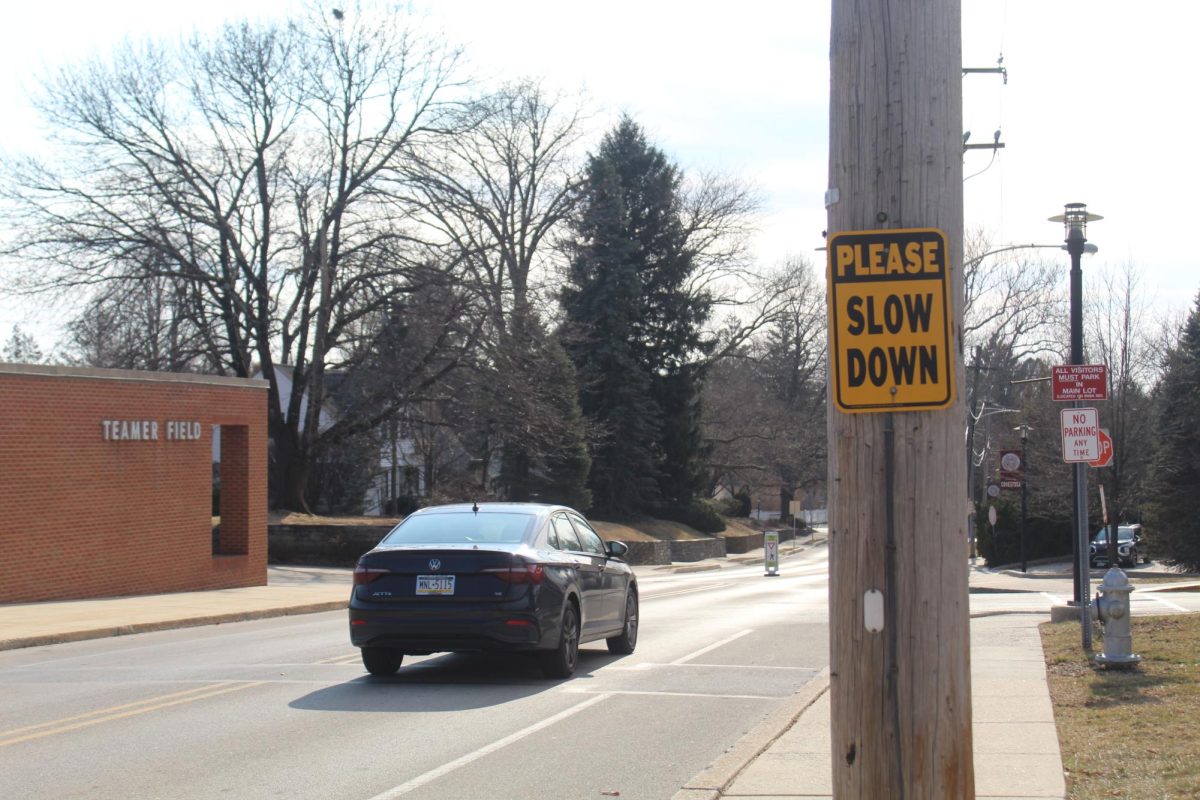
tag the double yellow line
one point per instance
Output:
(99, 716)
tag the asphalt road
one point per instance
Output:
(283, 708)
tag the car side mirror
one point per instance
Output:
(616, 549)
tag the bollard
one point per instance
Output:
(771, 553)
(1112, 607)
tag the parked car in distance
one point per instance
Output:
(510, 577)
(1131, 546)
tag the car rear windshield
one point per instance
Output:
(464, 528)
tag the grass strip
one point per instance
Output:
(1129, 733)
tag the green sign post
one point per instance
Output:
(771, 552)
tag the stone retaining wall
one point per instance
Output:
(322, 545)
(754, 541)
(341, 545)
(697, 549)
(649, 552)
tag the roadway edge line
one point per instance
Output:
(450, 766)
(714, 779)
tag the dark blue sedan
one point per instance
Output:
(497, 577)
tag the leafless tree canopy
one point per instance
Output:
(260, 172)
(764, 402)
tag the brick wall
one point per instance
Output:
(89, 510)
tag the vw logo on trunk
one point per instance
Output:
(435, 564)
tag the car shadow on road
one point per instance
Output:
(449, 682)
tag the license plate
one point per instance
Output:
(435, 584)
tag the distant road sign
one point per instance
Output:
(1080, 382)
(889, 320)
(1106, 450)
(1080, 434)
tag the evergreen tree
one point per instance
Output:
(21, 348)
(635, 328)
(1175, 473)
(540, 426)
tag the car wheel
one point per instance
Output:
(624, 644)
(381, 660)
(560, 662)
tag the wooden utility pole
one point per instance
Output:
(899, 636)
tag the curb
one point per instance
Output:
(716, 778)
(170, 624)
(681, 568)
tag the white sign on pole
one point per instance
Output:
(1080, 434)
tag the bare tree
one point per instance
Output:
(258, 171)
(499, 193)
(764, 402)
(1011, 301)
(497, 196)
(144, 323)
(1012, 307)
(1120, 335)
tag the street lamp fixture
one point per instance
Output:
(1074, 219)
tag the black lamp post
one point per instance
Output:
(1024, 429)
(1075, 218)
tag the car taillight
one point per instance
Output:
(364, 575)
(521, 572)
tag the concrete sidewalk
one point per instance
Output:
(289, 590)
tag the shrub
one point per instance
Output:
(700, 515)
(1045, 537)
(401, 506)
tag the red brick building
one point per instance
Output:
(106, 482)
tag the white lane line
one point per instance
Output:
(450, 766)
(690, 590)
(713, 696)
(712, 646)
(750, 666)
(645, 665)
(1052, 598)
(1166, 603)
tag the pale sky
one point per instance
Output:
(1096, 109)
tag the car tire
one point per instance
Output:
(560, 662)
(625, 643)
(381, 660)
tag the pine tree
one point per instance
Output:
(21, 348)
(634, 328)
(533, 411)
(1175, 474)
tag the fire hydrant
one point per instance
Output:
(1112, 606)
